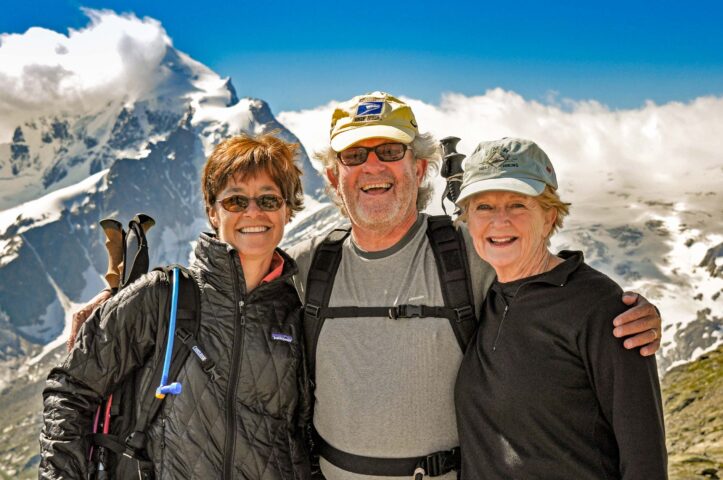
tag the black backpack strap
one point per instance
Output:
(319, 284)
(111, 442)
(188, 322)
(394, 312)
(451, 257)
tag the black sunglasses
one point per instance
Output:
(386, 152)
(267, 202)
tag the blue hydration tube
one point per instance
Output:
(175, 387)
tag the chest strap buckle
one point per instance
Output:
(405, 311)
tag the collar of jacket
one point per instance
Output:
(221, 262)
(558, 276)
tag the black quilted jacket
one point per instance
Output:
(246, 424)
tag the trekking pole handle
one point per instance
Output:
(175, 387)
(449, 145)
(144, 221)
(114, 239)
(451, 169)
(451, 159)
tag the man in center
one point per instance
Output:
(384, 383)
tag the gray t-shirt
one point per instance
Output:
(385, 387)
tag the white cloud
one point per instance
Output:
(651, 174)
(116, 57)
(665, 149)
(311, 126)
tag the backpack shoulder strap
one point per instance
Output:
(451, 257)
(319, 284)
(188, 322)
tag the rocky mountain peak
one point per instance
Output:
(711, 263)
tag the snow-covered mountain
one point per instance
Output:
(658, 231)
(48, 153)
(61, 174)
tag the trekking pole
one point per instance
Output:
(175, 387)
(96, 418)
(135, 256)
(114, 243)
(451, 170)
(102, 470)
(120, 273)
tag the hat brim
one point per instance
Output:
(346, 139)
(525, 186)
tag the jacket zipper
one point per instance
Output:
(499, 327)
(234, 373)
(504, 314)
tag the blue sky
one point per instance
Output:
(300, 55)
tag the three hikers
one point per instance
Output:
(391, 304)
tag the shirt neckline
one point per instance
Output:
(403, 242)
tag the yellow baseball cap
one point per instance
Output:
(374, 115)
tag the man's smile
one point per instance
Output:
(376, 188)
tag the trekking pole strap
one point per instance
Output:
(434, 464)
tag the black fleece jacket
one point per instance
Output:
(546, 391)
(246, 423)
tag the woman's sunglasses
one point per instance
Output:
(267, 202)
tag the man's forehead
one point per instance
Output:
(374, 141)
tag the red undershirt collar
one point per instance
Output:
(277, 266)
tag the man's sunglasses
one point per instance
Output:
(267, 202)
(386, 152)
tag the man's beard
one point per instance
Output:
(384, 213)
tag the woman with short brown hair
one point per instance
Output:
(246, 420)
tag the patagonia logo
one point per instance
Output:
(370, 108)
(282, 337)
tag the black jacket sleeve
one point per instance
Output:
(628, 391)
(117, 340)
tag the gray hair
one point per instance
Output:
(424, 146)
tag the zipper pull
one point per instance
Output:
(499, 328)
